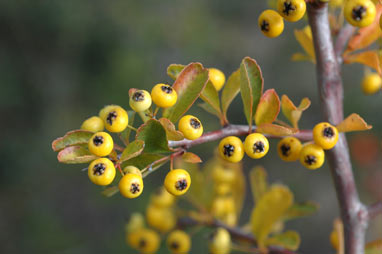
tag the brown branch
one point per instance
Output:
(353, 212)
(342, 39)
(231, 130)
(374, 210)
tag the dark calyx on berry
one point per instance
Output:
(134, 188)
(99, 169)
(285, 149)
(288, 7)
(181, 184)
(98, 140)
(328, 132)
(258, 147)
(310, 159)
(228, 150)
(174, 246)
(138, 96)
(358, 12)
(194, 123)
(166, 89)
(111, 117)
(264, 26)
(142, 243)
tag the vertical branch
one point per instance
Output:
(353, 212)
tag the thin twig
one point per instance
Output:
(342, 39)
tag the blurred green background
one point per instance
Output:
(61, 61)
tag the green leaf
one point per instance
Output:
(268, 108)
(110, 191)
(189, 85)
(273, 204)
(230, 91)
(259, 184)
(125, 135)
(72, 138)
(191, 158)
(173, 70)
(289, 240)
(300, 210)
(142, 161)
(75, 155)
(132, 150)
(207, 107)
(275, 130)
(211, 96)
(171, 132)
(251, 86)
(154, 136)
(374, 247)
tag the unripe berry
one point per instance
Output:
(140, 100)
(271, 23)
(325, 135)
(191, 127)
(179, 242)
(217, 78)
(164, 95)
(115, 118)
(101, 144)
(231, 149)
(220, 242)
(312, 156)
(256, 145)
(177, 181)
(131, 185)
(93, 124)
(371, 83)
(360, 13)
(132, 170)
(101, 171)
(289, 149)
(291, 10)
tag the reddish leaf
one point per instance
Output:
(268, 108)
(171, 132)
(353, 123)
(191, 158)
(275, 130)
(72, 138)
(75, 155)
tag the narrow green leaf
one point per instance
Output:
(173, 70)
(207, 107)
(251, 86)
(125, 135)
(110, 191)
(259, 184)
(75, 155)
(268, 108)
(289, 240)
(230, 91)
(211, 96)
(189, 85)
(72, 138)
(132, 150)
(154, 136)
(298, 210)
(171, 132)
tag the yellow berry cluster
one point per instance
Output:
(271, 23)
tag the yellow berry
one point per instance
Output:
(230, 219)
(164, 95)
(147, 241)
(371, 84)
(101, 171)
(177, 181)
(222, 188)
(291, 10)
(93, 124)
(179, 242)
(334, 240)
(136, 222)
(191, 127)
(231, 149)
(325, 135)
(220, 242)
(289, 149)
(312, 156)
(256, 145)
(101, 144)
(162, 198)
(223, 174)
(160, 218)
(140, 100)
(104, 111)
(115, 119)
(217, 78)
(360, 13)
(130, 185)
(271, 23)
(222, 205)
(132, 170)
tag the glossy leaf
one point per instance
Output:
(211, 96)
(125, 135)
(189, 85)
(230, 91)
(75, 155)
(259, 184)
(304, 38)
(374, 247)
(369, 58)
(354, 122)
(291, 112)
(154, 136)
(298, 210)
(274, 203)
(268, 108)
(171, 132)
(110, 191)
(275, 130)
(191, 158)
(132, 150)
(251, 86)
(173, 70)
(72, 138)
(289, 240)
